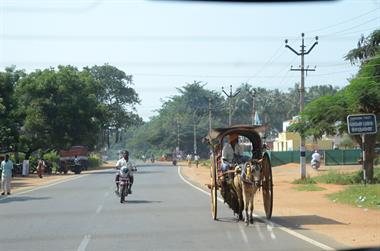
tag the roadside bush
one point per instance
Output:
(52, 159)
(94, 161)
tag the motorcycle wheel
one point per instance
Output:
(122, 194)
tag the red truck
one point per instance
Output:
(67, 157)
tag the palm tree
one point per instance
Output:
(367, 48)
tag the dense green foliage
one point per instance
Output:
(54, 109)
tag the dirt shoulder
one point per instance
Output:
(299, 210)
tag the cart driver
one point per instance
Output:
(231, 151)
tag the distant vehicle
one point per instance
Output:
(66, 158)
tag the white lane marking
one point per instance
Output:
(99, 209)
(270, 229)
(243, 234)
(84, 243)
(259, 231)
(268, 222)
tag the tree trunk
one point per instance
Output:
(27, 154)
(370, 143)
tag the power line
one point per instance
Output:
(266, 63)
(147, 38)
(352, 27)
(343, 22)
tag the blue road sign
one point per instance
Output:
(361, 124)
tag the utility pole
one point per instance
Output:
(195, 139)
(230, 96)
(253, 94)
(302, 69)
(209, 114)
(177, 135)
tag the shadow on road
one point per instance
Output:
(10, 199)
(143, 201)
(297, 222)
(228, 219)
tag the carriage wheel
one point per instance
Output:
(267, 186)
(214, 190)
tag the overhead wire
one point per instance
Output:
(345, 21)
(350, 28)
(266, 63)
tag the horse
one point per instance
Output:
(247, 183)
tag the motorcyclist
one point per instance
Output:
(125, 168)
(316, 158)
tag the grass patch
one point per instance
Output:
(340, 178)
(359, 195)
(306, 181)
(309, 188)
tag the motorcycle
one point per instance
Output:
(315, 164)
(174, 162)
(124, 184)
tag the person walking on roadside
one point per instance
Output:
(6, 175)
(188, 158)
(196, 160)
(40, 167)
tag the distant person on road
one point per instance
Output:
(188, 158)
(40, 168)
(196, 160)
(316, 156)
(76, 161)
(6, 168)
(123, 164)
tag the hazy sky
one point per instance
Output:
(166, 44)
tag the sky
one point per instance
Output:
(167, 44)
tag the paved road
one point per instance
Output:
(163, 213)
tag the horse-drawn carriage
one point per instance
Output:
(255, 164)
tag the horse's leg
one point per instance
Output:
(254, 190)
(245, 199)
(239, 191)
(251, 199)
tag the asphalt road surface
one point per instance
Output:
(163, 213)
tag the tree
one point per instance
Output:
(116, 92)
(59, 109)
(184, 111)
(9, 121)
(367, 48)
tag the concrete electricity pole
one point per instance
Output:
(253, 94)
(177, 135)
(209, 115)
(230, 96)
(302, 53)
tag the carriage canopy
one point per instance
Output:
(215, 137)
